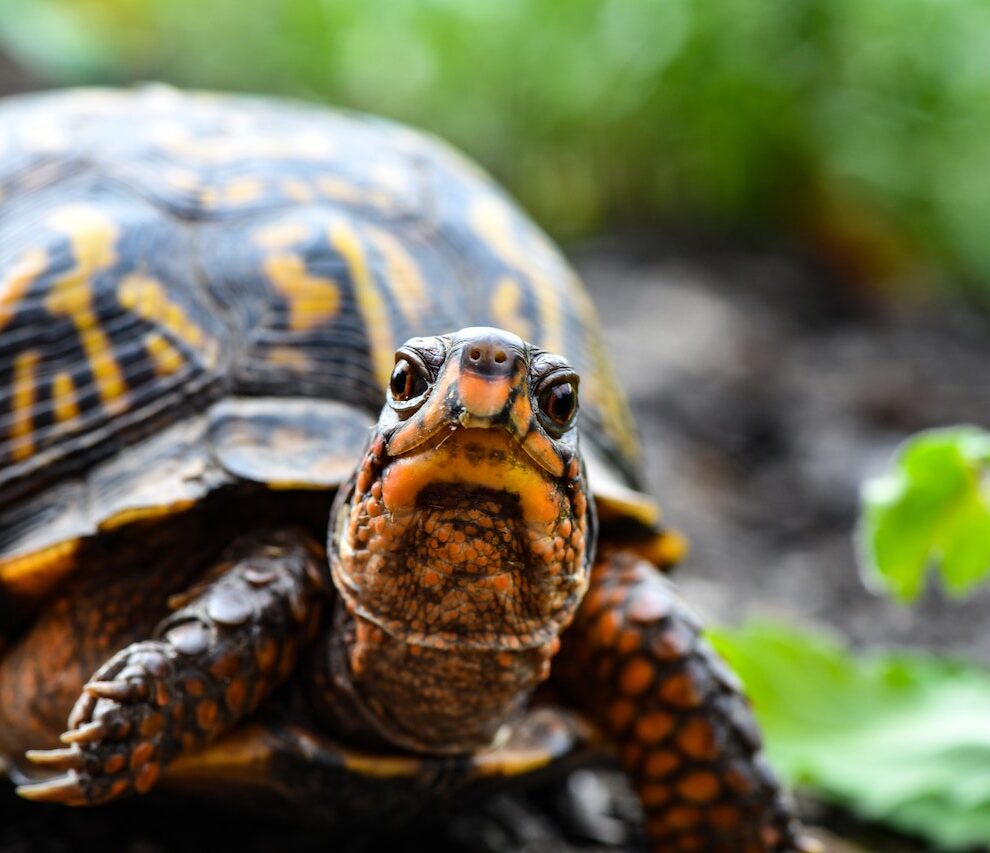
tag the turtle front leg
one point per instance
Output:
(230, 641)
(636, 661)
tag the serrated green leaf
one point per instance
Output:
(931, 511)
(899, 738)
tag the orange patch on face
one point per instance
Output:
(481, 396)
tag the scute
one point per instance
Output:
(167, 473)
(288, 444)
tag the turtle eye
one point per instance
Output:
(558, 404)
(407, 382)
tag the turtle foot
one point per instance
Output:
(227, 644)
(118, 738)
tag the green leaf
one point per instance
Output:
(899, 738)
(931, 510)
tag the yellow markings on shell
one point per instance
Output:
(92, 235)
(369, 300)
(299, 191)
(246, 750)
(313, 300)
(241, 191)
(282, 235)
(23, 399)
(506, 305)
(381, 766)
(33, 575)
(338, 189)
(671, 548)
(512, 762)
(403, 277)
(165, 357)
(64, 401)
(289, 357)
(335, 188)
(147, 297)
(18, 279)
(142, 513)
(493, 221)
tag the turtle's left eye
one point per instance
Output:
(408, 381)
(558, 404)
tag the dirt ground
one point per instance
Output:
(765, 394)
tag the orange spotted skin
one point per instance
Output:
(636, 661)
(460, 549)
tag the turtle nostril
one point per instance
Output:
(499, 356)
(475, 354)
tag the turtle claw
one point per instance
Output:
(57, 759)
(116, 739)
(86, 733)
(119, 691)
(66, 789)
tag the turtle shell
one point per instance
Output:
(202, 289)
(283, 769)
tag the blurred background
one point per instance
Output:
(782, 211)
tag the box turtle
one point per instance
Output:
(203, 304)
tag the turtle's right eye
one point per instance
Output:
(408, 381)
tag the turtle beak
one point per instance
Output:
(490, 378)
(483, 385)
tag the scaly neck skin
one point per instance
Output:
(453, 599)
(425, 699)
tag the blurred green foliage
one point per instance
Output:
(900, 738)
(931, 510)
(862, 124)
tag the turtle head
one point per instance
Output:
(467, 529)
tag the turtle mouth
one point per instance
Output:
(470, 459)
(523, 442)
